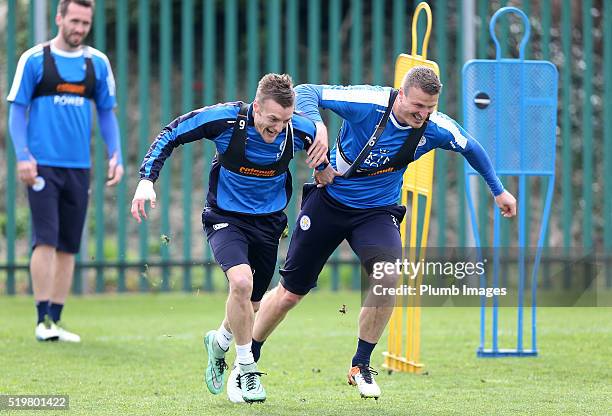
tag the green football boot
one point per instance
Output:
(215, 370)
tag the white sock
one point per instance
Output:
(244, 354)
(224, 338)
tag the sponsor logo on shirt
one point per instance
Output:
(71, 88)
(68, 100)
(257, 172)
(378, 172)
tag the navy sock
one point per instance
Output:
(42, 307)
(364, 351)
(55, 311)
(256, 349)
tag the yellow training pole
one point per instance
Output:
(418, 181)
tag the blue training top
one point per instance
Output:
(228, 190)
(59, 126)
(362, 107)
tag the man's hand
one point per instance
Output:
(28, 171)
(115, 171)
(144, 192)
(326, 176)
(506, 203)
(318, 150)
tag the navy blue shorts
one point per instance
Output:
(59, 208)
(323, 223)
(245, 239)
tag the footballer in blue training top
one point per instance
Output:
(249, 187)
(383, 131)
(55, 85)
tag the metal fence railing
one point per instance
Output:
(171, 56)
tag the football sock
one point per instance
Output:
(42, 308)
(256, 348)
(224, 338)
(364, 351)
(244, 354)
(55, 311)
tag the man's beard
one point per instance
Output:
(72, 43)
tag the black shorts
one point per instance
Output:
(59, 208)
(323, 223)
(245, 239)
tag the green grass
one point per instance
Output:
(144, 355)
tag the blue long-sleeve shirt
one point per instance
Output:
(361, 108)
(57, 129)
(228, 190)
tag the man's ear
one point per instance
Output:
(401, 93)
(255, 106)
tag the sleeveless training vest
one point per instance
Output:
(401, 159)
(52, 83)
(234, 159)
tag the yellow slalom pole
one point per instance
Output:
(418, 184)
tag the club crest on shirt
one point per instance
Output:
(377, 158)
(305, 222)
(422, 141)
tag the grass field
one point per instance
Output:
(143, 355)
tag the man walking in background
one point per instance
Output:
(50, 126)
